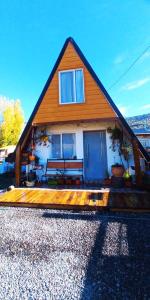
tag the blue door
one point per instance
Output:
(95, 155)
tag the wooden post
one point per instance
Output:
(18, 165)
(136, 154)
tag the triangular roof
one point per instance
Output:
(93, 74)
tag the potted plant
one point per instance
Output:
(38, 183)
(42, 138)
(69, 180)
(116, 137)
(127, 179)
(109, 130)
(31, 157)
(52, 181)
(126, 150)
(24, 158)
(117, 170)
(30, 179)
(61, 176)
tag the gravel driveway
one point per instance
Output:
(47, 254)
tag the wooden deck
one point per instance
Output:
(57, 199)
(77, 199)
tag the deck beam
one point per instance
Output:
(136, 154)
(18, 165)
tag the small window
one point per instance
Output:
(71, 86)
(63, 146)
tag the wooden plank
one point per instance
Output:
(18, 165)
(70, 199)
(91, 111)
(136, 155)
(55, 165)
(75, 107)
(100, 120)
(74, 165)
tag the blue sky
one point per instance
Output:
(111, 34)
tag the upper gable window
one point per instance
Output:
(71, 86)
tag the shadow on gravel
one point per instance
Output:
(118, 267)
(75, 215)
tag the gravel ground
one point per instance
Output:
(47, 254)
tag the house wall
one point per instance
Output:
(95, 106)
(112, 157)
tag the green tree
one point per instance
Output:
(12, 124)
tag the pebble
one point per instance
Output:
(59, 255)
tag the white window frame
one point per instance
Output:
(61, 144)
(74, 87)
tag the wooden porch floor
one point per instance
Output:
(47, 198)
(76, 199)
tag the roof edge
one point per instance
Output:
(95, 77)
(111, 102)
(29, 123)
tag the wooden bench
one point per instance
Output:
(62, 167)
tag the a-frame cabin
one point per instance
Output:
(70, 124)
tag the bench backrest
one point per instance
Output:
(69, 167)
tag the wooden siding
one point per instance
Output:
(96, 105)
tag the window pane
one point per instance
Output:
(56, 148)
(67, 94)
(79, 86)
(68, 145)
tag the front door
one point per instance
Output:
(95, 155)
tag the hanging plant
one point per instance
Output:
(126, 150)
(117, 138)
(109, 130)
(42, 138)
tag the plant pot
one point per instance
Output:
(68, 181)
(128, 183)
(29, 183)
(73, 181)
(107, 181)
(61, 181)
(31, 157)
(78, 181)
(117, 171)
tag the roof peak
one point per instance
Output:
(70, 39)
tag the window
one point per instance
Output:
(71, 86)
(63, 146)
(56, 148)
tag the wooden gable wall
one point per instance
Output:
(95, 106)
